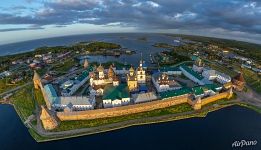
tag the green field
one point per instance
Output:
(23, 102)
(252, 79)
(65, 65)
(223, 70)
(38, 96)
(69, 125)
(5, 84)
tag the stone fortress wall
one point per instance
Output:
(130, 109)
(119, 111)
(216, 97)
(38, 85)
(138, 108)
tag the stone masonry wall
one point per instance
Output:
(119, 111)
(214, 98)
(137, 108)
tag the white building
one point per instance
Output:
(163, 82)
(144, 97)
(75, 103)
(198, 66)
(209, 74)
(115, 96)
(194, 76)
(70, 103)
(99, 77)
(171, 70)
(5, 74)
(246, 66)
(141, 73)
(215, 75)
(82, 79)
(109, 103)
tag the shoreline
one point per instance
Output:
(38, 137)
(135, 122)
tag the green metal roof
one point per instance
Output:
(83, 75)
(174, 93)
(197, 90)
(193, 57)
(185, 90)
(212, 87)
(116, 92)
(192, 72)
(165, 69)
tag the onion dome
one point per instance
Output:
(100, 68)
(111, 72)
(198, 62)
(131, 69)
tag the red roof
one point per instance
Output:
(239, 77)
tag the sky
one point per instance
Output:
(22, 20)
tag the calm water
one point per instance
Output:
(127, 40)
(215, 132)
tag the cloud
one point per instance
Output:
(233, 16)
(19, 29)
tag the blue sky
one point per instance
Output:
(22, 20)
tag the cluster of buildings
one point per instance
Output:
(66, 101)
(116, 85)
(71, 86)
(5, 74)
(203, 75)
(119, 86)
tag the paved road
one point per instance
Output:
(250, 97)
(15, 89)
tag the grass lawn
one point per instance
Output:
(5, 85)
(223, 69)
(64, 66)
(39, 97)
(23, 102)
(252, 79)
(69, 125)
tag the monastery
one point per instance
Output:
(122, 86)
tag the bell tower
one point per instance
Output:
(141, 74)
(36, 80)
(85, 64)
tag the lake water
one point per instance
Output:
(217, 131)
(130, 41)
